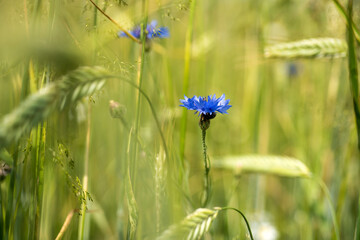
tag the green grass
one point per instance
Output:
(285, 157)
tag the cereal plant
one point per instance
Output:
(179, 119)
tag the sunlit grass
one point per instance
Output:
(285, 157)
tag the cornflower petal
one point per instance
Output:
(151, 31)
(206, 106)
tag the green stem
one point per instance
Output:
(3, 215)
(348, 18)
(189, 34)
(139, 81)
(357, 228)
(113, 21)
(22, 180)
(12, 190)
(12, 194)
(40, 157)
(130, 197)
(331, 206)
(207, 180)
(85, 178)
(246, 221)
(153, 111)
(353, 71)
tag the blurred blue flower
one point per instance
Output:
(206, 106)
(151, 31)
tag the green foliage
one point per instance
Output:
(31, 112)
(295, 102)
(353, 72)
(36, 108)
(62, 157)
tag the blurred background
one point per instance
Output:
(299, 107)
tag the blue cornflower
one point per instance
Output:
(151, 31)
(208, 106)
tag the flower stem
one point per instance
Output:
(140, 76)
(246, 221)
(324, 188)
(207, 180)
(113, 21)
(85, 177)
(187, 58)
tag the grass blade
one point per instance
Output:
(353, 72)
(357, 228)
(347, 18)
(187, 57)
(130, 197)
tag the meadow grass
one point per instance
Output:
(99, 148)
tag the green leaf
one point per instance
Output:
(353, 72)
(277, 165)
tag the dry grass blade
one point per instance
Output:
(66, 224)
(308, 48)
(194, 226)
(36, 108)
(277, 165)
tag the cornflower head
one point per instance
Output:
(151, 31)
(206, 107)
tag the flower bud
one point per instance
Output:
(204, 122)
(116, 109)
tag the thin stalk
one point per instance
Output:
(187, 58)
(141, 63)
(137, 137)
(22, 180)
(12, 186)
(66, 224)
(3, 215)
(357, 228)
(139, 83)
(348, 18)
(130, 197)
(118, 25)
(36, 193)
(207, 180)
(353, 71)
(331, 207)
(40, 159)
(166, 66)
(354, 84)
(153, 111)
(246, 221)
(12, 193)
(40, 156)
(85, 178)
